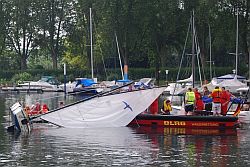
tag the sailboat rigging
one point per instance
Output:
(181, 85)
(233, 83)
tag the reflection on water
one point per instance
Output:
(48, 145)
(126, 146)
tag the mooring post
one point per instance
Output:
(65, 79)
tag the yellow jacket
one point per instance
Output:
(190, 97)
(167, 106)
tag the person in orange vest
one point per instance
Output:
(45, 109)
(166, 108)
(216, 96)
(199, 105)
(225, 99)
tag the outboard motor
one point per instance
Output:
(20, 120)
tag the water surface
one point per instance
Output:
(48, 145)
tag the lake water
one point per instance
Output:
(48, 145)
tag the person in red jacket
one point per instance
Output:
(216, 96)
(225, 99)
(199, 105)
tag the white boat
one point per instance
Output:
(231, 82)
(46, 83)
(244, 115)
(114, 110)
(145, 83)
(180, 87)
(82, 85)
(244, 91)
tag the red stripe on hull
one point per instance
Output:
(193, 124)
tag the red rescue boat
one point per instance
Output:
(190, 121)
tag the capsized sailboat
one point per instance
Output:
(114, 110)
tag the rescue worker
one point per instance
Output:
(166, 108)
(205, 91)
(225, 99)
(189, 101)
(45, 109)
(199, 105)
(216, 96)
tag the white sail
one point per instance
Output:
(108, 111)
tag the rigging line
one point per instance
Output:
(197, 54)
(137, 122)
(183, 52)
(199, 58)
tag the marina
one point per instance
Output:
(125, 83)
(125, 146)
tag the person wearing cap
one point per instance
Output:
(166, 108)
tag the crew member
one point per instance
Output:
(189, 101)
(216, 96)
(199, 105)
(225, 99)
(205, 91)
(166, 108)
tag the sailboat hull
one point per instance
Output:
(108, 111)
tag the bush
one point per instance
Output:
(19, 78)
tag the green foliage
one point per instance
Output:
(3, 82)
(73, 60)
(19, 78)
(45, 34)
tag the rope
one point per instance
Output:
(183, 52)
(137, 122)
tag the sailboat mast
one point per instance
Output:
(91, 43)
(237, 43)
(118, 50)
(193, 56)
(210, 52)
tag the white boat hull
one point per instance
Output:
(108, 111)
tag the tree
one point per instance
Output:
(21, 28)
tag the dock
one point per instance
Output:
(21, 89)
